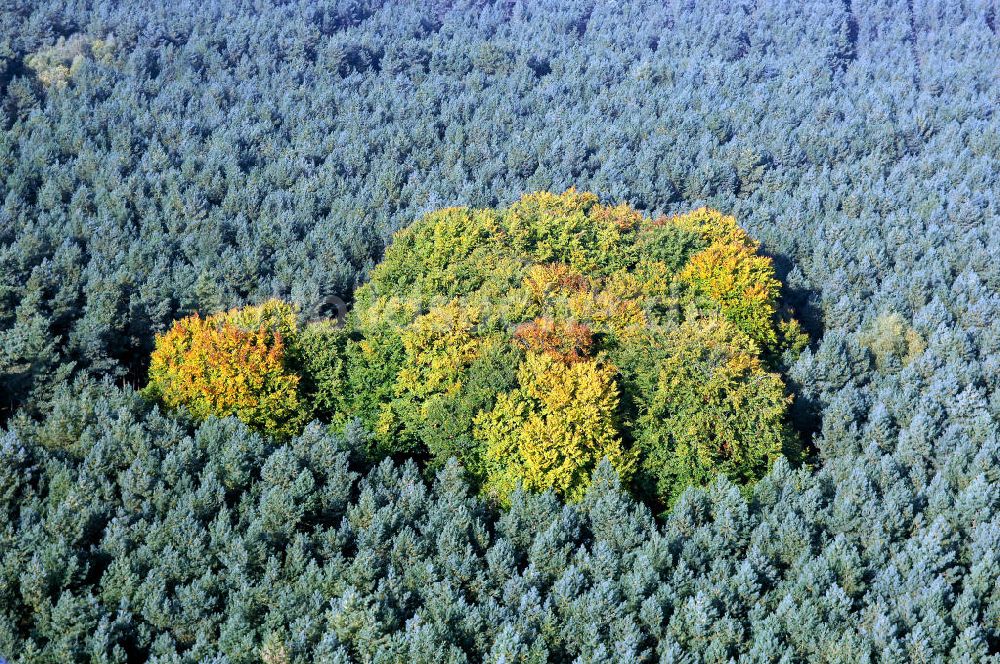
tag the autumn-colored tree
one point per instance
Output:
(572, 228)
(233, 363)
(712, 226)
(543, 281)
(892, 341)
(741, 283)
(553, 430)
(440, 348)
(477, 323)
(565, 340)
(452, 251)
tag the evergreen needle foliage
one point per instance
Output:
(162, 159)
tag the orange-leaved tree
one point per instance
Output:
(565, 340)
(231, 363)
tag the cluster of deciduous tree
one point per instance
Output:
(209, 156)
(160, 160)
(530, 342)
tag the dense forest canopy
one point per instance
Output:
(158, 160)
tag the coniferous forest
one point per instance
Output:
(544, 331)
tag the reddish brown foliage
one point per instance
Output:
(568, 341)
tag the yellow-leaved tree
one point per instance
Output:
(553, 430)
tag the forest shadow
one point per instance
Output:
(804, 303)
